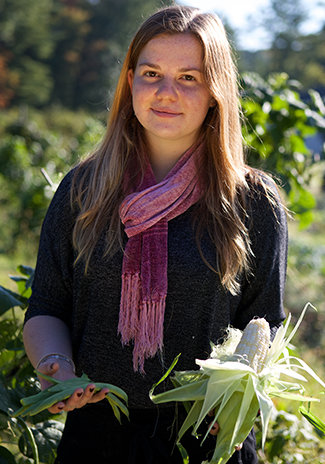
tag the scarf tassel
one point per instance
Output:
(130, 297)
(144, 327)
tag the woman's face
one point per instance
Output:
(169, 95)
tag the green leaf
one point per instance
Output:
(26, 270)
(184, 454)
(314, 420)
(6, 457)
(8, 300)
(266, 406)
(165, 375)
(191, 418)
(22, 284)
(4, 399)
(277, 446)
(28, 435)
(25, 281)
(191, 392)
(15, 345)
(305, 219)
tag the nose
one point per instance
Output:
(167, 89)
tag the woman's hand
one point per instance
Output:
(215, 428)
(63, 371)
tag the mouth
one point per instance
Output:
(165, 113)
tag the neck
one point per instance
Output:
(163, 157)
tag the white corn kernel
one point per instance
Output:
(255, 343)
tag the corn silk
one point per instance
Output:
(227, 386)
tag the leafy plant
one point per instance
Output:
(278, 126)
(22, 441)
(291, 440)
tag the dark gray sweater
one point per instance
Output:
(197, 307)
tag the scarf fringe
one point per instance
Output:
(130, 298)
(149, 337)
(145, 327)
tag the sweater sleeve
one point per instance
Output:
(52, 286)
(263, 287)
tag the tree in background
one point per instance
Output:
(301, 56)
(65, 51)
(26, 43)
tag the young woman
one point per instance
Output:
(154, 244)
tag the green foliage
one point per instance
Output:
(35, 440)
(30, 143)
(58, 51)
(290, 440)
(305, 282)
(278, 125)
(26, 43)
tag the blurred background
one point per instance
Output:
(59, 63)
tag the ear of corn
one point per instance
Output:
(255, 342)
(61, 390)
(238, 383)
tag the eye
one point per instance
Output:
(188, 77)
(151, 74)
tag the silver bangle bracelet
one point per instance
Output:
(57, 356)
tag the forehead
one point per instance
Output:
(173, 48)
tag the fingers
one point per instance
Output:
(79, 399)
(50, 368)
(215, 429)
(99, 396)
(57, 408)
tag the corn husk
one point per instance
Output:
(235, 392)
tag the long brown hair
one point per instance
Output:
(98, 181)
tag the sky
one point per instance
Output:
(237, 11)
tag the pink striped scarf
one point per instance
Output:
(145, 215)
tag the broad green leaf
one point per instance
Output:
(305, 219)
(226, 419)
(218, 402)
(191, 418)
(219, 393)
(23, 287)
(6, 457)
(314, 420)
(15, 345)
(266, 405)
(26, 270)
(8, 300)
(245, 406)
(190, 392)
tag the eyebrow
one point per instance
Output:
(155, 66)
